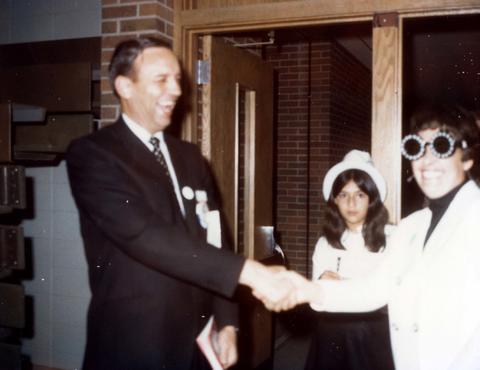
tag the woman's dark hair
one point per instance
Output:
(125, 54)
(454, 119)
(377, 215)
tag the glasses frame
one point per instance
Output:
(423, 144)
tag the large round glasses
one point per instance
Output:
(443, 145)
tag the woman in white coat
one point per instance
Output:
(353, 243)
(430, 277)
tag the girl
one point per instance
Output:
(355, 233)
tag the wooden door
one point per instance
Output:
(238, 133)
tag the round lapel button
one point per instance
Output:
(187, 192)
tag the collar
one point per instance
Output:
(351, 235)
(141, 132)
(439, 205)
(440, 223)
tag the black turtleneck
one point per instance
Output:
(438, 207)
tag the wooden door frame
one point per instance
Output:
(189, 23)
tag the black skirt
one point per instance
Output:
(351, 342)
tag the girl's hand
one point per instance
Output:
(330, 275)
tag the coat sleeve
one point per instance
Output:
(469, 358)
(112, 201)
(319, 258)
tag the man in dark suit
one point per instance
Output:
(146, 209)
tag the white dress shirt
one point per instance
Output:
(144, 137)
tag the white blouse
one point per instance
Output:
(352, 262)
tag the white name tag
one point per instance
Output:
(214, 229)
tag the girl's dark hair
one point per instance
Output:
(126, 52)
(377, 215)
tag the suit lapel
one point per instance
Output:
(143, 159)
(138, 152)
(186, 179)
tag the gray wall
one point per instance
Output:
(42, 20)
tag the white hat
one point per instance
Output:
(355, 159)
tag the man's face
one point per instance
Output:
(153, 89)
(437, 176)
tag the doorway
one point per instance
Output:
(386, 116)
(322, 109)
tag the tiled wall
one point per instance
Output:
(58, 286)
(41, 20)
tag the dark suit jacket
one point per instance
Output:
(151, 272)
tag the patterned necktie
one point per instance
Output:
(159, 156)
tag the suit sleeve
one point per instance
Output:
(110, 198)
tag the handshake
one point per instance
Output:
(278, 288)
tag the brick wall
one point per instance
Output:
(343, 90)
(320, 141)
(350, 103)
(122, 19)
(317, 123)
(291, 62)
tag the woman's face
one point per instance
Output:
(352, 204)
(437, 176)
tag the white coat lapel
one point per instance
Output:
(445, 230)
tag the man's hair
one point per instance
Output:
(125, 53)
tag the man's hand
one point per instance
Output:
(271, 285)
(300, 291)
(227, 346)
(279, 289)
(303, 291)
(306, 291)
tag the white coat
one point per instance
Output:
(432, 292)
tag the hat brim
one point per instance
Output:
(336, 170)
